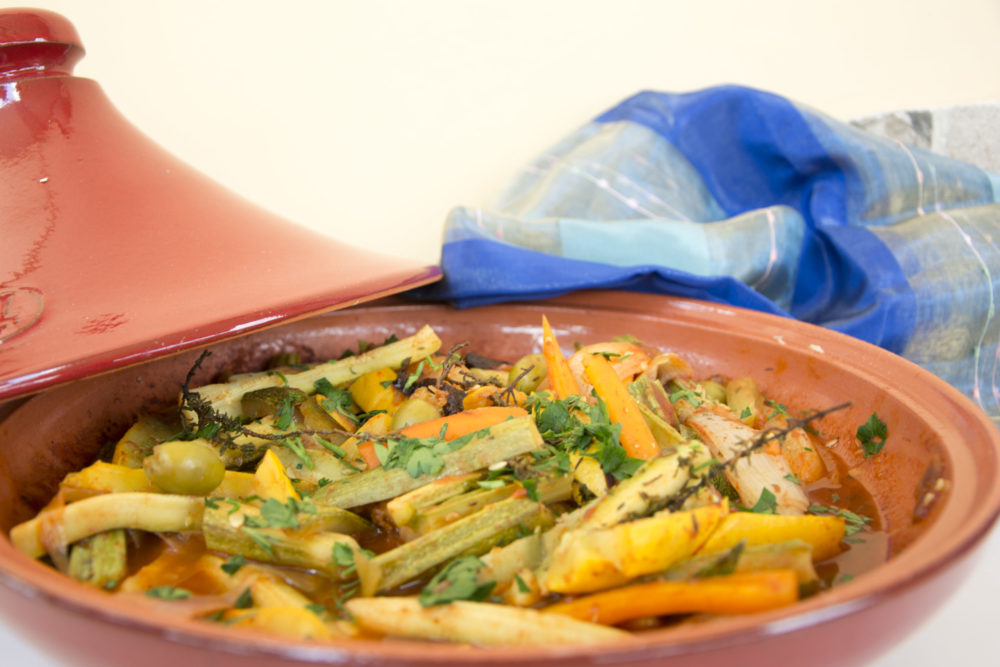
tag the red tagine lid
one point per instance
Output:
(112, 251)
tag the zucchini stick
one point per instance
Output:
(476, 623)
(550, 489)
(225, 530)
(497, 443)
(100, 560)
(403, 508)
(650, 489)
(471, 536)
(226, 397)
(153, 512)
(791, 555)
(504, 562)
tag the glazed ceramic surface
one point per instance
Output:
(114, 251)
(934, 432)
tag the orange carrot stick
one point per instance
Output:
(557, 370)
(741, 593)
(636, 437)
(367, 451)
(377, 425)
(463, 423)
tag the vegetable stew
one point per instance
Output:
(409, 489)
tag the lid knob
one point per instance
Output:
(36, 43)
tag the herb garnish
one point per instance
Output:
(457, 581)
(419, 456)
(872, 435)
(233, 564)
(245, 600)
(168, 593)
(853, 522)
(767, 503)
(574, 425)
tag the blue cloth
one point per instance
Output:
(739, 196)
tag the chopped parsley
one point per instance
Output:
(779, 409)
(343, 556)
(245, 600)
(459, 580)
(690, 395)
(872, 435)
(294, 443)
(853, 522)
(574, 425)
(276, 514)
(260, 538)
(168, 593)
(318, 609)
(767, 503)
(283, 417)
(233, 564)
(418, 456)
(725, 563)
(412, 378)
(531, 488)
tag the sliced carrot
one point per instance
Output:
(455, 426)
(367, 451)
(636, 437)
(463, 423)
(741, 593)
(377, 425)
(556, 367)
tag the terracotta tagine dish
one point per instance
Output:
(114, 251)
(92, 335)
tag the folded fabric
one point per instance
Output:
(743, 197)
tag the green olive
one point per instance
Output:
(413, 411)
(714, 390)
(263, 402)
(185, 467)
(533, 377)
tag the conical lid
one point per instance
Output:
(112, 251)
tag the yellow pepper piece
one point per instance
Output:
(271, 480)
(824, 533)
(104, 477)
(375, 391)
(592, 559)
(293, 622)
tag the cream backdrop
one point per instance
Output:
(370, 120)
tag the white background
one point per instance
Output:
(370, 120)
